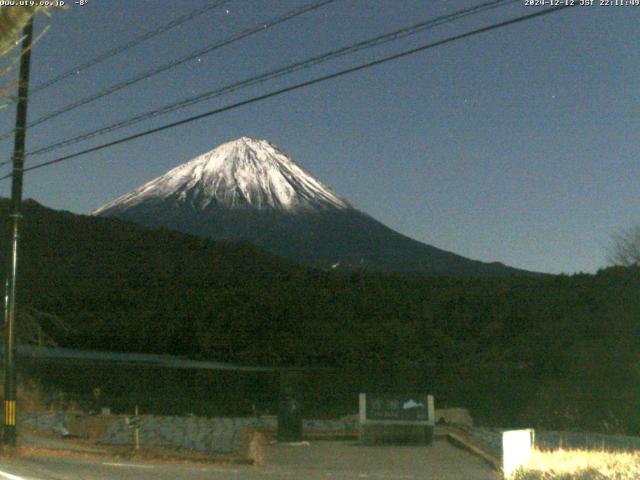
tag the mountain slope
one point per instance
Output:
(527, 344)
(249, 190)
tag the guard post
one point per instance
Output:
(289, 406)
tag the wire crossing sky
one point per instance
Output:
(174, 63)
(292, 88)
(379, 40)
(516, 145)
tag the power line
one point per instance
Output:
(130, 44)
(299, 86)
(195, 54)
(302, 65)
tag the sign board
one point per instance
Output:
(397, 407)
(132, 422)
(396, 418)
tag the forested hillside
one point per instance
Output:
(558, 351)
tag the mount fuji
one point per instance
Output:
(248, 190)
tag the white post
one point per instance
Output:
(431, 411)
(363, 407)
(137, 430)
(516, 449)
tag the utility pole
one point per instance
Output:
(9, 436)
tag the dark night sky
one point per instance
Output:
(518, 145)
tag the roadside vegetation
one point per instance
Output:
(580, 465)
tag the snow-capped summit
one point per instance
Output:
(249, 191)
(244, 173)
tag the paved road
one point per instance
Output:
(318, 461)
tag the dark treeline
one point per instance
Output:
(556, 351)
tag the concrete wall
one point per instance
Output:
(218, 435)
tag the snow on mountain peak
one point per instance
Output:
(244, 173)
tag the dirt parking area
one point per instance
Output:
(341, 460)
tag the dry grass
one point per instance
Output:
(31, 397)
(12, 20)
(581, 465)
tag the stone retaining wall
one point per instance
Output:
(54, 422)
(218, 435)
(183, 433)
